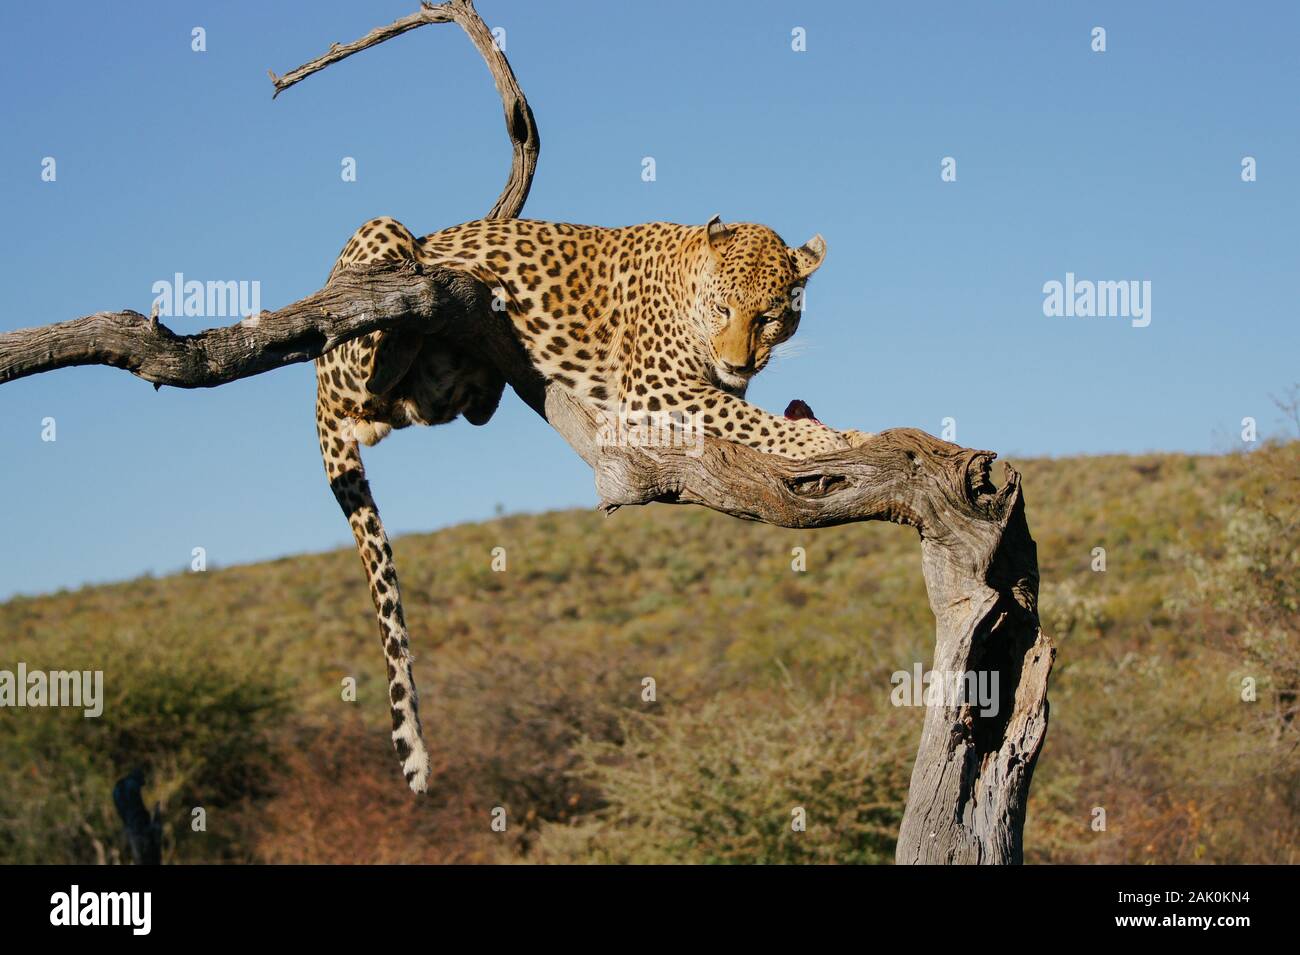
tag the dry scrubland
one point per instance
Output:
(773, 688)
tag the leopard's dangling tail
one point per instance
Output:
(342, 457)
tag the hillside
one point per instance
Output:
(772, 687)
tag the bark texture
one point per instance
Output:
(360, 299)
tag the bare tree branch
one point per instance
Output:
(428, 13)
(520, 124)
(359, 300)
(355, 303)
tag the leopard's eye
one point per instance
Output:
(724, 311)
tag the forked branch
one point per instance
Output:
(520, 124)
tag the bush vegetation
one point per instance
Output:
(771, 688)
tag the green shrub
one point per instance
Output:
(201, 731)
(720, 784)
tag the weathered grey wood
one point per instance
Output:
(360, 299)
(970, 782)
(971, 779)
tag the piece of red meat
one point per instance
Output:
(798, 410)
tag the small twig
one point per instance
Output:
(428, 13)
(101, 857)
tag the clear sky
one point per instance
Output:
(1114, 166)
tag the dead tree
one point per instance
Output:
(972, 773)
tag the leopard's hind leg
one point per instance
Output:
(361, 373)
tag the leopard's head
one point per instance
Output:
(751, 297)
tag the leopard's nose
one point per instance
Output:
(738, 370)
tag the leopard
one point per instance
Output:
(655, 319)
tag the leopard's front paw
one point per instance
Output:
(857, 438)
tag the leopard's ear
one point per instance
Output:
(718, 235)
(808, 257)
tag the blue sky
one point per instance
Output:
(1122, 165)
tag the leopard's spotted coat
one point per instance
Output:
(653, 319)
